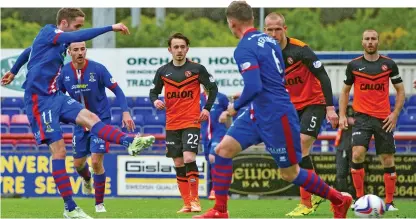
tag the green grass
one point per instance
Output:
(166, 208)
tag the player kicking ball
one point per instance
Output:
(272, 118)
(182, 81)
(85, 81)
(46, 106)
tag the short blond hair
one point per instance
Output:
(276, 16)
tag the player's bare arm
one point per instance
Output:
(391, 121)
(414, 84)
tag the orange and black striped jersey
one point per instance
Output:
(182, 93)
(305, 76)
(371, 84)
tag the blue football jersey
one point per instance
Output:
(259, 59)
(45, 61)
(47, 55)
(212, 129)
(87, 86)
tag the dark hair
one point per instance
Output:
(68, 14)
(178, 36)
(240, 11)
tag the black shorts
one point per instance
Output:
(311, 118)
(365, 127)
(178, 141)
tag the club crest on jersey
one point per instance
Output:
(317, 64)
(384, 67)
(92, 79)
(188, 74)
(290, 60)
(66, 78)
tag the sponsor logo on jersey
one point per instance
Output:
(294, 81)
(180, 94)
(372, 87)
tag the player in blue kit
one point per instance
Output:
(213, 130)
(46, 106)
(85, 81)
(272, 118)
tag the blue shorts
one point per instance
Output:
(84, 142)
(281, 136)
(45, 113)
(209, 146)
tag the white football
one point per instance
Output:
(369, 206)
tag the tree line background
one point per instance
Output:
(332, 29)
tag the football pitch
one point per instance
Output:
(166, 208)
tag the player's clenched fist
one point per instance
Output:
(7, 78)
(160, 105)
(120, 27)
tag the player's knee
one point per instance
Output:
(188, 159)
(387, 160)
(306, 140)
(226, 150)
(287, 175)
(178, 161)
(58, 151)
(358, 156)
(290, 173)
(211, 158)
(78, 163)
(87, 118)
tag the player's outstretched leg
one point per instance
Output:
(312, 183)
(109, 133)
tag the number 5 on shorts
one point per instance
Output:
(313, 122)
